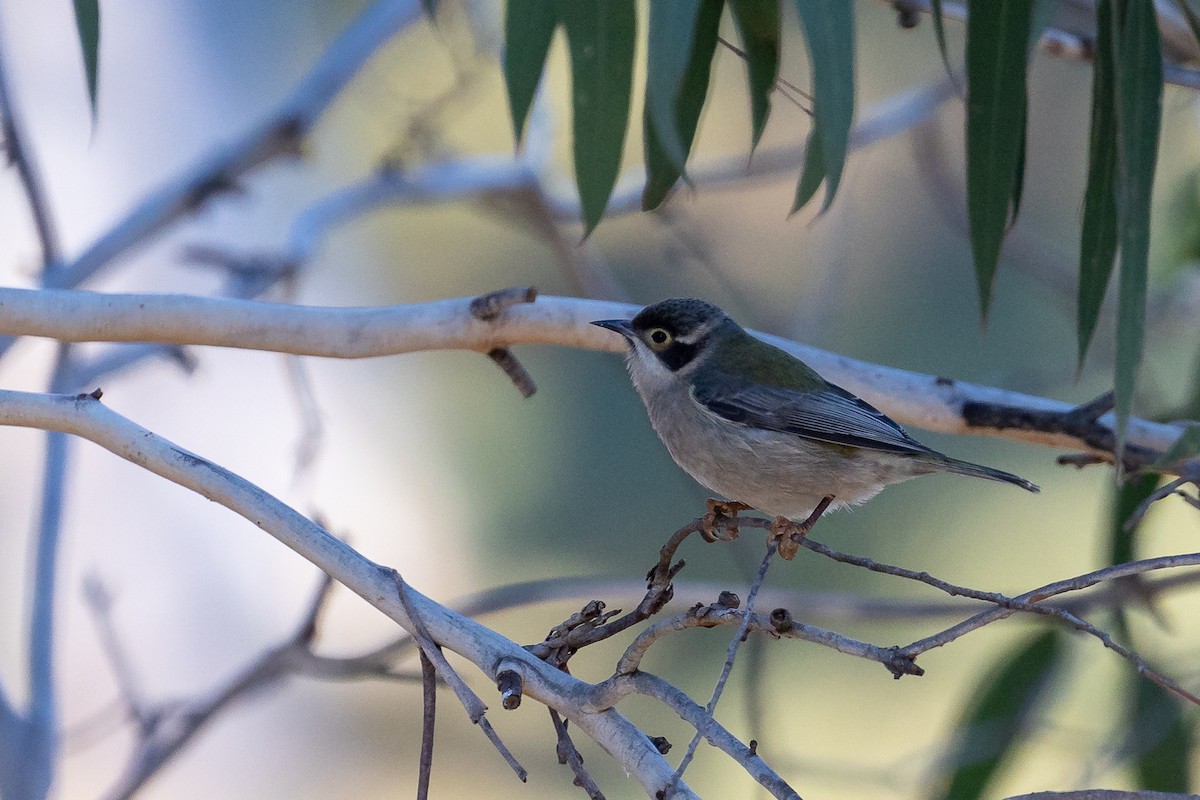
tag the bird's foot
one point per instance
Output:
(787, 533)
(715, 524)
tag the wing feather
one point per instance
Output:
(828, 414)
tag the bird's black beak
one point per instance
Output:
(621, 326)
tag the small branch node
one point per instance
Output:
(515, 371)
(661, 744)
(488, 306)
(511, 686)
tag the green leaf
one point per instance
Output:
(87, 23)
(993, 723)
(1139, 82)
(829, 31)
(1162, 739)
(676, 84)
(1043, 15)
(997, 36)
(1129, 496)
(601, 38)
(813, 174)
(939, 31)
(1098, 245)
(757, 22)
(528, 29)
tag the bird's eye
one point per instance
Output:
(659, 338)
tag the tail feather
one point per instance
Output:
(979, 471)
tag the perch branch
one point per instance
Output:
(925, 401)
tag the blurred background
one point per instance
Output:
(432, 463)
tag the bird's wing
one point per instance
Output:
(828, 414)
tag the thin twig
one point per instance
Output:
(727, 667)
(428, 718)
(474, 706)
(569, 754)
(690, 711)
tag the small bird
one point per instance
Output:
(759, 426)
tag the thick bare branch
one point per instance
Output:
(86, 417)
(926, 401)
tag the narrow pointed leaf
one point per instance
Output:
(1162, 739)
(600, 37)
(829, 31)
(1043, 15)
(939, 32)
(1014, 204)
(994, 722)
(1098, 245)
(813, 174)
(675, 90)
(1120, 541)
(87, 23)
(528, 29)
(997, 35)
(757, 23)
(1139, 82)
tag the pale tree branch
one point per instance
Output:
(925, 401)
(86, 417)
(279, 134)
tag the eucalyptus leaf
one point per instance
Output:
(1162, 738)
(829, 30)
(757, 23)
(87, 24)
(1185, 447)
(601, 39)
(676, 87)
(997, 37)
(1098, 243)
(528, 30)
(1139, 82)
(993, 723)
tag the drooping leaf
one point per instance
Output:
(528, 29)
(813, 174)
(997, 35)
(829, 31)
(600, 37)
(939, 32)
(1098, 245)
(1162, 739)
(993, 722)
(757, 22)
(1129, 496)
(1139, 82)
(675, 88)
(1043, 15)
(87, 23)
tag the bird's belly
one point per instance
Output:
(777, 473)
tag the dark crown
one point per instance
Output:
(679, 315)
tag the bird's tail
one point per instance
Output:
(979, 471)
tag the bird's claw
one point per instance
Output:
(785, 534)
(715, 524)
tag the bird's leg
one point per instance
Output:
(720, 511)
(788, 533)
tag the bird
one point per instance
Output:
(757, 425)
